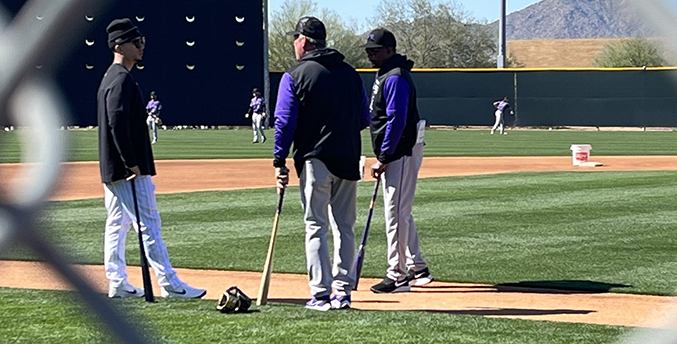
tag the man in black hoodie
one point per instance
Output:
(397, 137)
(321, 108)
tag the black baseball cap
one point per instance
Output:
(380, 38)
(310, 27)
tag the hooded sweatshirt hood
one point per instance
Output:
(396, 61)
(327, 57)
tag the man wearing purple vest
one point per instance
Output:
(397, 138)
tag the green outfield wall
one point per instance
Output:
(544, 97)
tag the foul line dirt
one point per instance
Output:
(80, 180)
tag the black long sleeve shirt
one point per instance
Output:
(123, 134)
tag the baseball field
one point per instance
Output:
(525, 247)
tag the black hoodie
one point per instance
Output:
(395, 65)
(331, 114)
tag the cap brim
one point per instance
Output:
(292, 33)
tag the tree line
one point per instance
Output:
(432, 33)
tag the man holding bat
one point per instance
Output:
(125, 156)
(321, 109)
(397, 137)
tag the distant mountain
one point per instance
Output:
(564, 19)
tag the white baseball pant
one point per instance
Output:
(257, 126)
(121, 215)
(152, 126)
(499, 121)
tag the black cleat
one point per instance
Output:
(391, 286)
(419, 278)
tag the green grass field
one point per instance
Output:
(228, 144)
(610, 228)
(30, 316)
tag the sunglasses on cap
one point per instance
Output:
(141, 41)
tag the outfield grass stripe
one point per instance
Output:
(216, 144)
(484, 229)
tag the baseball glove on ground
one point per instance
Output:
(233, 301)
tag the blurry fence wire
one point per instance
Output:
(662, 17)
(39, 35)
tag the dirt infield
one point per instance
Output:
(80, 180)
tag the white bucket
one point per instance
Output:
(580, 153)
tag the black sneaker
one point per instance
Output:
(391, 286)
(419, 278)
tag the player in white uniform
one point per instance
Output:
(153, 109)
(125, 153)
(257, 109)
(501, 106)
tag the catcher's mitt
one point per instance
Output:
(233, 301)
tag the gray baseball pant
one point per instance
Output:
(399, 187)
(328, 201)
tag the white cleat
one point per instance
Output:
(184, 291)
(125, 289)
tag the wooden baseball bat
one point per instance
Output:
(360, 252)
(262, 298)
(145, 272)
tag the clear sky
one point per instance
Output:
(362, 9)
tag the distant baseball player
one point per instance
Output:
(257, 110)
(125, 153)
(153, 110)
(321, 109)
(501, 106)
(397, 139)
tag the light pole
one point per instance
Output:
(500, 59)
